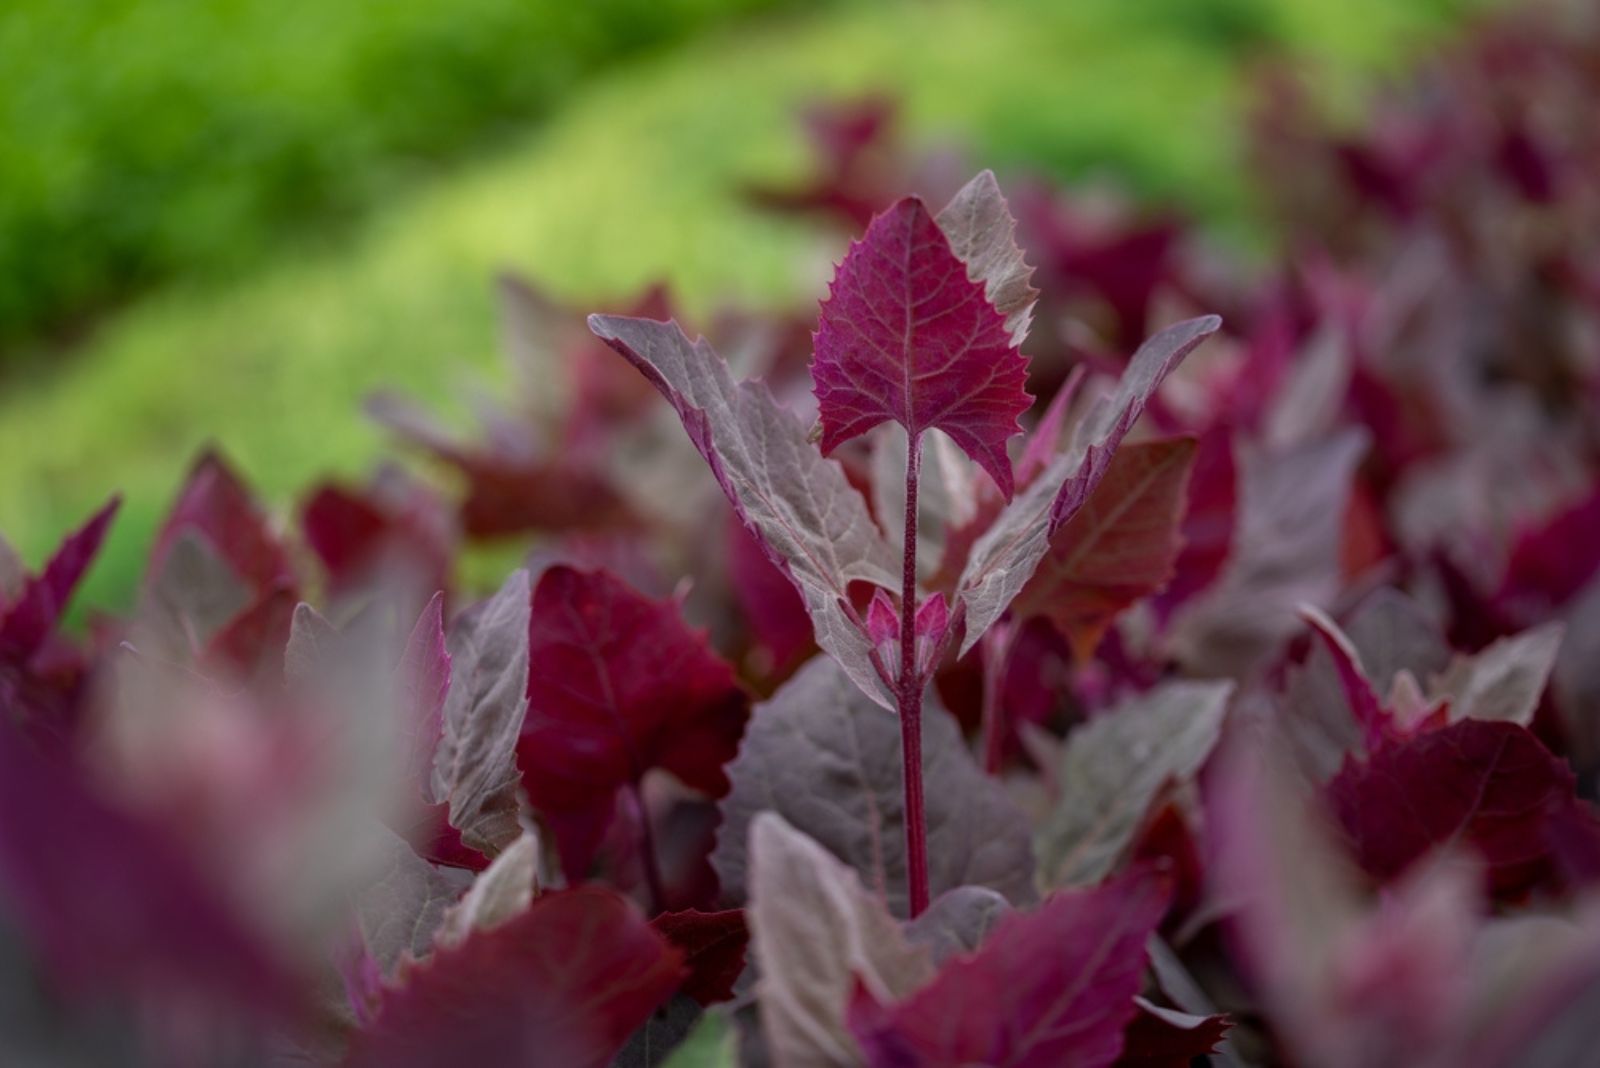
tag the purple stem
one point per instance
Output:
(910, 695)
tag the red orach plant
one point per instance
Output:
(1233, 695)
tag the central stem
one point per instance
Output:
(910, 694)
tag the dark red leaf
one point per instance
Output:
(215, 505)
(1490, 785)
(437, 841)
(505, 497)
(108, 901)
(713, 945)
(29, 620)
(563, 983)
(1049, 988)
(1164, 1038)
(1208, 517)
(780, 627)
(511, 492)
(1551, 562)
(365, 534)
(906, 336)
(617, 684)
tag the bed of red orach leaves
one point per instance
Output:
(1247, 669)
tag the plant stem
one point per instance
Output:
(910, 695)
(647, 846)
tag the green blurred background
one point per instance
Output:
(229, 220)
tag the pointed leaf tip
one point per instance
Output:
(907, 335)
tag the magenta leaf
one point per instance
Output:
(1050, 988)
(781, 630)
(812, 522)
(617, 684)
(110, 902)
(1004, 558)
(713, 945)
(219, 588)
(1392, 638)
(1346, 978)
(394, 528)
(1488, 785)
(1371, 717)
(565, 982)
(906, 336)
(218, 508)
(28, 620)
(1551, 562)
(509, 492)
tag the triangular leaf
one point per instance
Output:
(215, 505)
(475, 769)
(400, 911)
(501, 891)
(1490, 785)
(1119, 548)
(32, 616)
(1004, 558)
(1503, 680)
(906, 336)
(423, 682)
(566, 982)
(828, 761)
(617, 684)
(713, 945)
(1052, 987)
(816, 934)
(978, 224)
(1285, 554)
(109, 901)
(1167, 1038)
(1115, 767)
(957, 921)
(813, 523)
(1391, 635)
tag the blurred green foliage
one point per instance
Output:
(147, 137)
(632, 180)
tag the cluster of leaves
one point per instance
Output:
(1245, 708)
